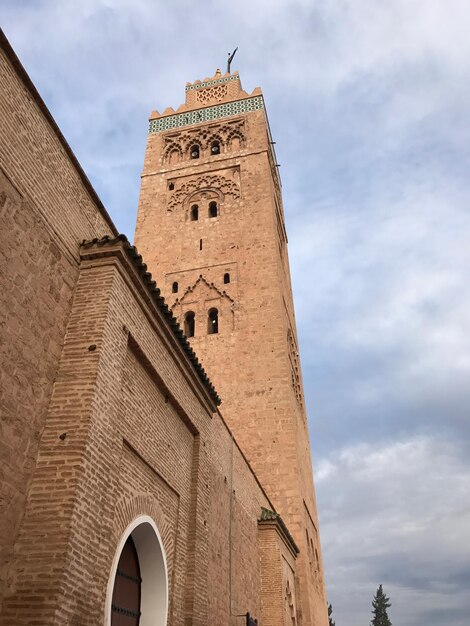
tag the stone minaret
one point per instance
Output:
(211, 229)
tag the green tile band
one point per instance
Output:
(207, 114)
(211, 83)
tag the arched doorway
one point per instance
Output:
(125, 605)
(138, 585)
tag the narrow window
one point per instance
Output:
(213, 322)
(171, 186)
(215, 147)
(194, 152)
(174, 287)
(189, 323)
(194, 213)
(213, 210)
(226, 278)
(200, 244)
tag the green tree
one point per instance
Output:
(330, 611)
(380, 604)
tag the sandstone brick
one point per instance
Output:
(106, 416)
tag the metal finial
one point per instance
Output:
(230, 59)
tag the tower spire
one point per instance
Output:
(230, 59)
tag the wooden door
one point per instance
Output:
(125, 609)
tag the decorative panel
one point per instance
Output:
(207, 114)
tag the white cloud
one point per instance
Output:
(396, 513)
(370, 106)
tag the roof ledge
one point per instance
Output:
(107, 246)
(270, 518)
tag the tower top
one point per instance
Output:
(212, 81)
(217, 88)
(217, 96)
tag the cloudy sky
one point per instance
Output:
(369, 103)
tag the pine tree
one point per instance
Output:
(380, 604)
(330, 611)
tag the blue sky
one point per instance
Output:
(369, 103)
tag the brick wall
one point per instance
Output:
(45, 211)
(128, 434)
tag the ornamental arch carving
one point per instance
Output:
(215, 187)
(203, 297)
(230, 136)
(173, 154)
(203, 199)
(236, 140)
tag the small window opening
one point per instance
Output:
(215, 147)
(226, 278)
(213, 322)
(213, 209)
(194, 213)
(200, 244)
(194, 152)
(174, 287)
(171, 186)
(189, 323)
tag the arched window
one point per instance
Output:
(215, 147)
(194, 152)
(174, 287)
(189, 324)
(213, 209)
(127, 587)
(226, 278)
(171, 186)
(194, 213)
(213, 322)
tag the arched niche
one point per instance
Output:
(153, 573)
(235, 142)
(202, 198)
(173, 157)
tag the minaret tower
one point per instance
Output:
(211, 229)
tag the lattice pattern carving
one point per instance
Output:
(290, 605)
(276, 178)
(207, 182)
(312, 542)
(295, 366)
(205, 96)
